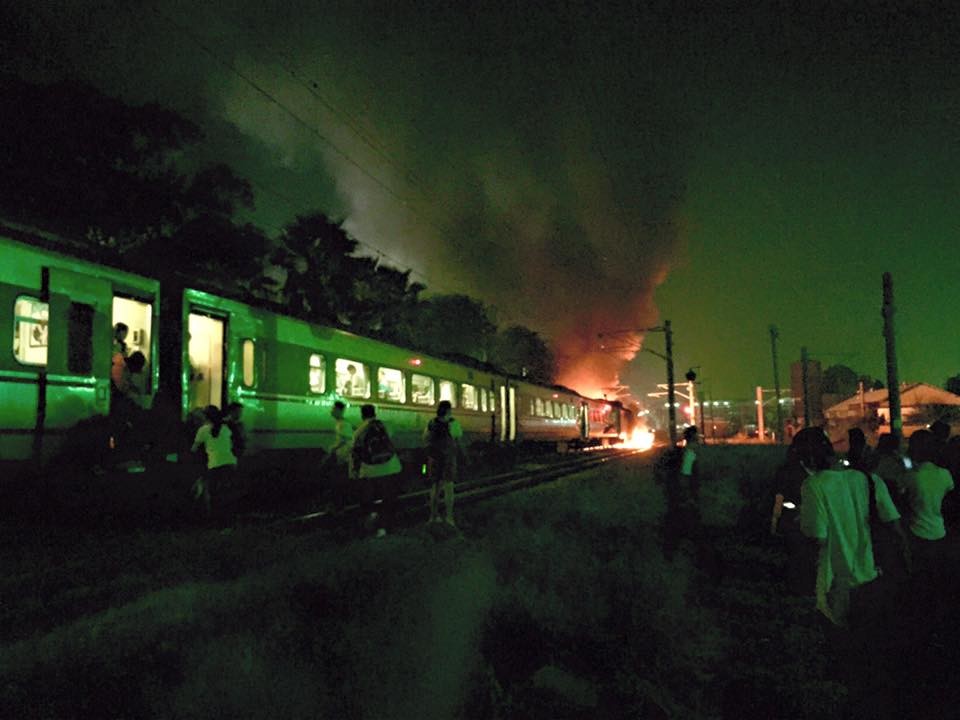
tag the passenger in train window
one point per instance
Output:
(442, 438)
(216, 438)
(351, 386)
(376, 469)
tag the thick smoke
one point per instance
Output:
(525, 155)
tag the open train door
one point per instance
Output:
(508, 413)
(583, 421)
(504, 414)
(207, 360)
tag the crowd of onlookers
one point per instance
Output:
(869, 537)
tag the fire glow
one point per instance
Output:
(641, 439)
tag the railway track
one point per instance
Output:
(412, 507)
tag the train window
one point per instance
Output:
(353, 379)
(80, 339)
(447, 392)
(533, 408)
(540, 411)
(548, 408)
(30, 318)
(483, 400)
(493, 403)
(422, 387)
(390, 385)
(468, 395)
(556, 409)
(318, 373)
(248, 353)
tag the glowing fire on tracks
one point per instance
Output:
(640, 439)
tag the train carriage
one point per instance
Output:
(288, 373)
(57, 315)
(548, 414)
(207, 349)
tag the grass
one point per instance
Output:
(557, 602)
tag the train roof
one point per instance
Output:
(64, 254)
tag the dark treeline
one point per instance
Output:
(114, 178)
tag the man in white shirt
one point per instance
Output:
(835, 510)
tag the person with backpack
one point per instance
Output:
(376, 469)
(442, 440)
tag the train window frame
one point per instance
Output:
(248, 365)
(340, 370)
(418, 398)
(36, 337)
(397, 374)
(468, 396)
(317, 373)
(447, 390)
(539, 407)
(483, 399)
(80, 318)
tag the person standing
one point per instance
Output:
(216, 438)
(835, 511)
(858, 454)
(233, 419)
(926, 487)
(785, 522)
(337, 462)
(442, 438)
(375, 467)
(680, 473)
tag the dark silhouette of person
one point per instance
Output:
(941, 434)
(858, 454)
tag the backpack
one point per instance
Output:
(439, 439)
(377, 447)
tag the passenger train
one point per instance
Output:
(205, 349)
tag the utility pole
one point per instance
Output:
(774, 334)
(806, 388)
(667, 331)
(671, 397)
(703, 420)
(761, 430)
(893, 381)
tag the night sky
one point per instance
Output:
(587, 167)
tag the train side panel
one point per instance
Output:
(546, 414)
(288, 373)
(56, 314)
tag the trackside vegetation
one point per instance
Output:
(556, 602)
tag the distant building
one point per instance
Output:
(920, 404)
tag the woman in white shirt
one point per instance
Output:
(215, 437)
